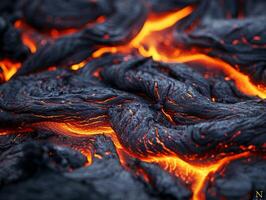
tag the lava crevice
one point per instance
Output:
(147, 99)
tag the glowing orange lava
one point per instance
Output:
(78, 66)
(190, 173)
(150, 26)
(15, 131)
(97, 128)
(25, 35)
(159, 24)
(86, 153)
(78, 131)
(9, 68)
(147, 45)
(195, 174)
(241, 80)
(29, 43)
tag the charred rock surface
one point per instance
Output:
(157, 181)
(10, 140)
(172, 88)
(63, 14)
(48, 181)
(21, 161)
(136, 124)
(49, 167)
(39, 167)
(64, 92)
(229, 30)
(105, 173)
(120, 125)
(159, 185)
(241, 180)
(125, 22)
(199, 126)
(239, 42)
(161, 6)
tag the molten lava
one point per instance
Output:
(26, 35)
(148, 46)
(197, 174)
(9, 68)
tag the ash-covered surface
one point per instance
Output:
(125, 126)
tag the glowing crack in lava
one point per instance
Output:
(9, 68)
(147, 45)
(197, 174)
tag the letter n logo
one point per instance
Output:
(259, 195)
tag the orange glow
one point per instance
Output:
(56, 33)
(25, 35)
(101, 19)
(88, 155)
(78, 131)
(192, 173)
(104, 50)
(159, 25)
(78, 66)
(241, 80)
(169, 117)
(86, 152)
(15, 131)
(195, 174)
(97, 156)
(29, 43)
(6, 132)
(147, 45)
(9, 68)
(150, 26)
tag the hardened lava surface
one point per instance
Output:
(132, 99)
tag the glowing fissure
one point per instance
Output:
(147, 47)
(25, 35)
(146, 44)
(196, 174)
(9, 68)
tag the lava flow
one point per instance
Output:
(9, 68)
(197, 174)
(187, 104)
(147, 46)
